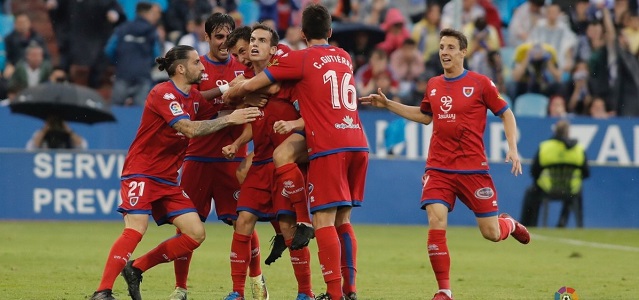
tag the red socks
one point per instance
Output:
(439, 257)
(120, 253)
(349, 257)
(177, 246)
(240, 257)
(181, 267)
(301, 261)
(255, 266)
(291, 180)
(506, 226)
(329, 257)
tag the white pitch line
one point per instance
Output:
(587, 244)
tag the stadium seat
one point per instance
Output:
(3, 55)
(532, 105)
(508, 61)
(6, 24)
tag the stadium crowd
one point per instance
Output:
(580, 55)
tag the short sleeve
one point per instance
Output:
(492, 98)
(289, 66)
(167, 106)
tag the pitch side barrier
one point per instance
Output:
(70, 185)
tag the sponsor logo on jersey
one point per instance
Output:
(236, 195)
(273, 62)
(433, 92)
(205, 76)
(468, 91)
(175, 108)
(169, 96)
(447, 105)
(185, 195)
(348, 124)
(484, 193)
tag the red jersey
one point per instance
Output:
(158, 150)
(209, 147)
(265, 139)
(325, 91)
(458, 106)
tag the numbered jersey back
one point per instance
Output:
(325, 89)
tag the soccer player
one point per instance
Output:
(259, 201)
(207, 174)
(337, 146)
(456, 104)
(150, 173)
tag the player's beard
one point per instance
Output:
(194, 78)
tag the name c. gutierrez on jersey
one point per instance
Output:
(331, 59)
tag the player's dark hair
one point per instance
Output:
(463, 42)
(218, 20)
(142, 7)
(173, 58)
(240, 33)
(275, 38)
(316, 22)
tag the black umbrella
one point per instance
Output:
(345, 34)
(68, 101)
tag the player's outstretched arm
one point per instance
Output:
(229, 151)
(241, 89)
(510, 129)
(284, 127)
(193, 129)
(412, 113)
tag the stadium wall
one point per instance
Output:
(68, 185)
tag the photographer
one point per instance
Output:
(536, 70)
(56, 134)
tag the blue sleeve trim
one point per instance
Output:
(269, 75)
(176, 119)
(338, 150)
(501, 111)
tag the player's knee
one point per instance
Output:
(282, 156)
(197, 234)
(491, 234)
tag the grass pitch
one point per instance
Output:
(64, 260)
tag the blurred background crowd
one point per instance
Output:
(548, 58)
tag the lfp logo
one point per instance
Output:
(566, 293)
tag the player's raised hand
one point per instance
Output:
(229, 151)
(244, 115)
(377, 100)
(256, 99)
(282, 127)
(513, 157)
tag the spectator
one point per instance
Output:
(579, 17)
(133, 48)
(373, 12)
(580, 96)
(32, 70)
(396, 31)
(365, 77)
(536, 70)
(553, 31)
(293, 38)
(417, 93)
(493, 18)
(426, 32)
(406, 65)
(16, 42)
(56, 134)
(631, 32)
(195, 36)
(597, 109)
(523, 20)
(166, 45)
(91, 24)
(557, 107)
(482, 37)
(558, 150)
(59, 17)
(180, 12)
(470, 11)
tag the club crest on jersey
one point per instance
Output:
(196, 106)
(175, 108)
(133, 200)
(238, 73)
(468, 91)
(169, 96)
